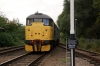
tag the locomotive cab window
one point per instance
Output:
(29, 21)
(47, 22)
(37, 20)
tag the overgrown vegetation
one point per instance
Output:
(87, 13)
(90, 44)
(13, 33)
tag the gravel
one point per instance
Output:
(57, 58)
(78, 61)
(82, 62)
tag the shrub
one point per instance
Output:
(6, 40)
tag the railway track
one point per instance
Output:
(28, 59)
(22, 58)
(62, 46)
(9, 53)
(10, 49)
(92, 57)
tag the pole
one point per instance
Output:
(72, 17)
(72, 57)
(72, 32)
(72, 41)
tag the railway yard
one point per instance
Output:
(17, 56)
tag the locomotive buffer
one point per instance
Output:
(72, 41)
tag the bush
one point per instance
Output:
(90, 44)
(6, 40)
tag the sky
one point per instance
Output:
(20, 9)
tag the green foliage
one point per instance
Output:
(3, 21)
(63, 22)
(81, 43)
(94, 31)
(96, 4)
(13, 33)
(6, 39)
(87, 13)
(89, 44)
(86, 16)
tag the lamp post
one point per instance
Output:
(72, 42)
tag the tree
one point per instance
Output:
(63, 21)
(94, 31)
(13, 34)
(87, 17)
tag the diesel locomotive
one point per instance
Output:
(41, 33)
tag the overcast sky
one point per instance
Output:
(22, 8)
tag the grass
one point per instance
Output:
(68, 59)
(63, 60)
(90, 45)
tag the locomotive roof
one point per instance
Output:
(39, 15)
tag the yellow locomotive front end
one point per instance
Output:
(39, 33)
